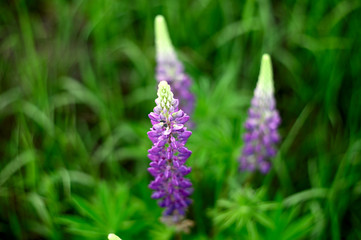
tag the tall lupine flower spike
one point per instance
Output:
(168, 156)
(170, 69)
(261, 126)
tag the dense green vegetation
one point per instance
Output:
(77, 83)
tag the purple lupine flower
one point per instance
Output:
(170, 69)
(261, 126)
(168, 155)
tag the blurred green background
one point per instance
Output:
(77, 83)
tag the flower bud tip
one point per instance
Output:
(162, 39)
(112, 236)
(265, 79)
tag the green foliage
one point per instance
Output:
(244, 209)
(76, 85)
(111, 210)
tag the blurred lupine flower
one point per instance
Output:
(261, 126)
(168, 156)
(170, 69)
(112, 236)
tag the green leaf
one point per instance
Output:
(85, 208)
(15, 164)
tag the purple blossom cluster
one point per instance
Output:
(261, 126)
(168, 155)
(170, 69)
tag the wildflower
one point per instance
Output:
(112, 236)
(261, 126)
(170, 69)
(168, 155)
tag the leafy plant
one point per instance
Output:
(112, 209)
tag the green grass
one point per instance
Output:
(76, 85)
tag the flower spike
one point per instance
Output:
(261, 126)
(168, 156)
(170, 69)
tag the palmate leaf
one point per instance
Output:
(80, 225)
(264, 220)
(247, 213)
(244, 209)
(109, 210)
(85, 208)
(252, 230)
